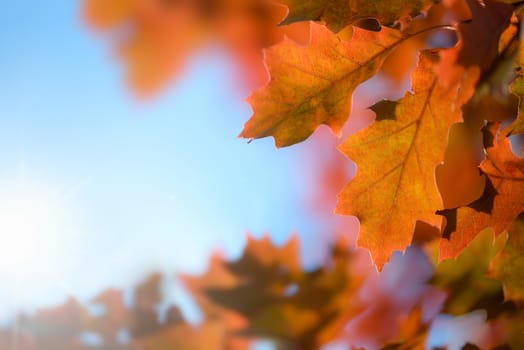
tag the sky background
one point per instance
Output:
(124, 187)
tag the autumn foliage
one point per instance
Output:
(438, 190)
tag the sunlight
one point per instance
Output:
(29, 231)
(19, 234)
(37, 234)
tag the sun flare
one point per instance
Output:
(38, 237)
(29, 231)
(17, 232)
(19, 236)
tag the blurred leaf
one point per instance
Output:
(208, 336)
(517, 127)
(155, 38)
(64, 327)
(280, 301)
(477, 49)
(465, 277)
(512, 326)
(508, 266)
(412, 333)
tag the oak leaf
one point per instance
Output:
(499, 205)
(313, 85)
(396, 158)
(337, 14)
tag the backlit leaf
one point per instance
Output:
(396, 158)
(501, 202)
(313, 85)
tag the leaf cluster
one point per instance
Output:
(444, 156)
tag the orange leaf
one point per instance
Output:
(156, 38)
(396, 158)
(103, 14)
(458, 179)
(501, 202)
(313, 85)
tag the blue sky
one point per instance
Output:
(138, 186)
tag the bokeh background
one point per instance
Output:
(111, 187)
